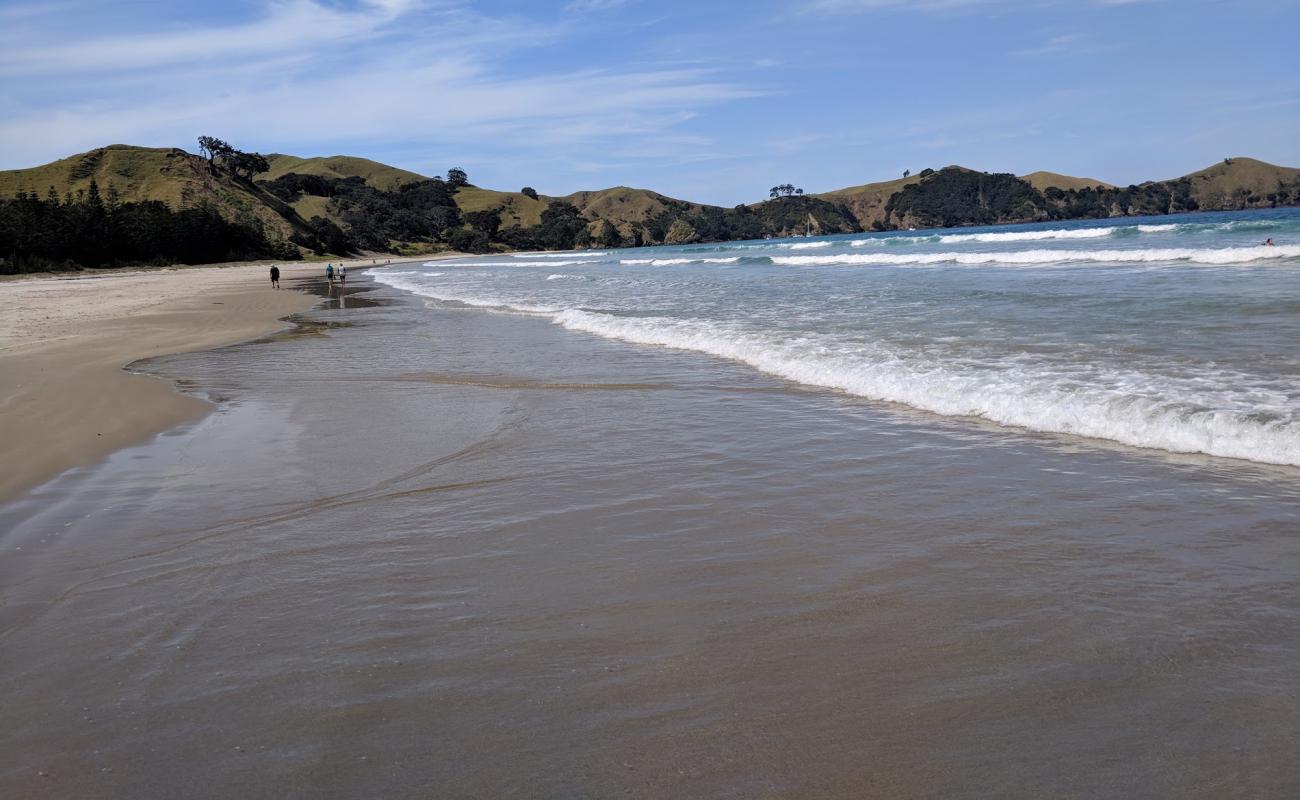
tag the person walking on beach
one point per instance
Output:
(275, 277)
(343, 276)
(329, 274)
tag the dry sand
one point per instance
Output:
(65, 400)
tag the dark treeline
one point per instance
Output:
(92, 231)
(426, 211)
(952, 197)
(422, 211)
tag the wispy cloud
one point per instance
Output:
(595, 6)
(858, 6)
(297, 73)
(303, 23)
(1054, 44)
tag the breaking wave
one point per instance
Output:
(668, 262)
(1223, 255)
(1189, 414)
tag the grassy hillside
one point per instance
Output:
(515, 208)
(1044, 180)
(1241, 183)
(624, 206)
(400, 206)
(380, 176)
(169, 174)
(867, 202)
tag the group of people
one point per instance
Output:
(331, 275)
(340, 274)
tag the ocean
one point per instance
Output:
(1005, 512)
(1176, 333)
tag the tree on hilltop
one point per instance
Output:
(783, 190)
(529, 191)
(214, 148)
(457, 177)
(246, 165)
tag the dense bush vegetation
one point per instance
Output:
(89, 231)
(954, 196)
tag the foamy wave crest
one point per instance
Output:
(1224, 255)
(450, 294)
(1027, 236)
(1158, 228)
(525, 263)
(559, 276)
(1016, 396)
(805, 245)
(668, 262)
(566, 254)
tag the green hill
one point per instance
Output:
(169, 174)
(515, 208)
(380, 176)
(867, 202)
(1242, 183)
(1042, 181)
(339, 204)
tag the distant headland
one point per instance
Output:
(123, 205)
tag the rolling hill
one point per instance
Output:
(403, 210)
(1042, 181)
(169, 174)
(1240, 183)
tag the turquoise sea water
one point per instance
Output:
(1180, 333)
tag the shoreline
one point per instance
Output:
(66, 397)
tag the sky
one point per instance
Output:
(709, 101)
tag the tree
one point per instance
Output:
(529, 191)
(799, 192)
(457, 177)
(907, 173)
(246, 165)
(487, 221)
(214, 148)
(606, 235)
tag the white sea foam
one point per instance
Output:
(1223, 255)
(1036, 399)
(1157, 228)
(667, 262)
(559, 276)
(1027, 236)
(1183, 415)
(525, 263)
(566, 254)
(805, 245)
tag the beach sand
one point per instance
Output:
(425, 550)
(65, 399)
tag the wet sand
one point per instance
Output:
(442, 552)
(65, 400)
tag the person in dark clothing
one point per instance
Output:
(275, 277)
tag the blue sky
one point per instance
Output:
(710, 101)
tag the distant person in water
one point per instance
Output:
(1268, 243)
(275, 277)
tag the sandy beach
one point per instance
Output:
(420, 549)
(65, 399)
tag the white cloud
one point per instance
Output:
(298, 24)
(595, 6)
